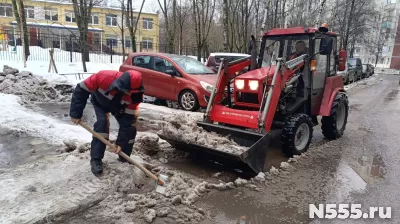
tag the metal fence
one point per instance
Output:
(67, 48)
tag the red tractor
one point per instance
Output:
(298, 85)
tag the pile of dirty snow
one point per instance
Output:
(372, 80)
(32, 88)
(184, 128)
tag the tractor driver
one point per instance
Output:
(301, 48)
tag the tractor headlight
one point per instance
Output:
(239, 83)
(253, 84)
(209, 88)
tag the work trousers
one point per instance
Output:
(126, 133)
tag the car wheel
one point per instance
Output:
(346, 80)
(188, 101)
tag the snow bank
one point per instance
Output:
(184, 128)
(16, 117)
(372, 80)
(32, 88)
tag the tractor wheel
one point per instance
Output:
(334, 125)
(296, 134)
(188, 101)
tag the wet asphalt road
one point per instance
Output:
(362, 167)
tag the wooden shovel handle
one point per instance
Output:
(129, 159)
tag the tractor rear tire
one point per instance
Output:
(296, 134)
(334, 125)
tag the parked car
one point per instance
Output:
(173, 77)
(357, 66)
(214, 59)
(365, 71)
(372, 69)
(348, 74)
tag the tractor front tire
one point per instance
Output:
(296, 134)
(334, 125)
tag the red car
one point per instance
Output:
(173, 77)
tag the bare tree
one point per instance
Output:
(170, 23)
(203, 13)
(83, 11)
(132, 22)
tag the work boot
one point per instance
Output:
(97, 166)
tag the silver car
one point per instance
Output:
(348, 74)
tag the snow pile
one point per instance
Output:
(147, 142)
(184, 128)
(32, 88)
(372, 80)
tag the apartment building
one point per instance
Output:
(53, 24)
(382, 31)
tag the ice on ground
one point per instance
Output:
(18, 118)
(184, 128)
(56, 187)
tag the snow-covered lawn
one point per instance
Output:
(42, 54)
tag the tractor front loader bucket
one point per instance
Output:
(253, 159)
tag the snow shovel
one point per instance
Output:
(160, 180)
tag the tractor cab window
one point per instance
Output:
(287, 47)
(322, 60)
(297, 48)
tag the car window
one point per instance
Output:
(190, 65)
(141, 61)
(353, 62)
(162, 65)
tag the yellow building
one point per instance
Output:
(53, 24)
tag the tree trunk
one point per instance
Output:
(20, 17)
(346, 40)
(123, 30)
(225, 24)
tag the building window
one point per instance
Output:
(128, 42)
(111, 20)
(6, 10)
(358, 50)
(96, 38)
(94, 19)
(133, 23)
(147, 24)
(29, 12)
(112, 41)
(147, 43)
(70, 17)
(51, 14)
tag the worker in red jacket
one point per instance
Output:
(118, 93)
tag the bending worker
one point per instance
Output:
(118, 93)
